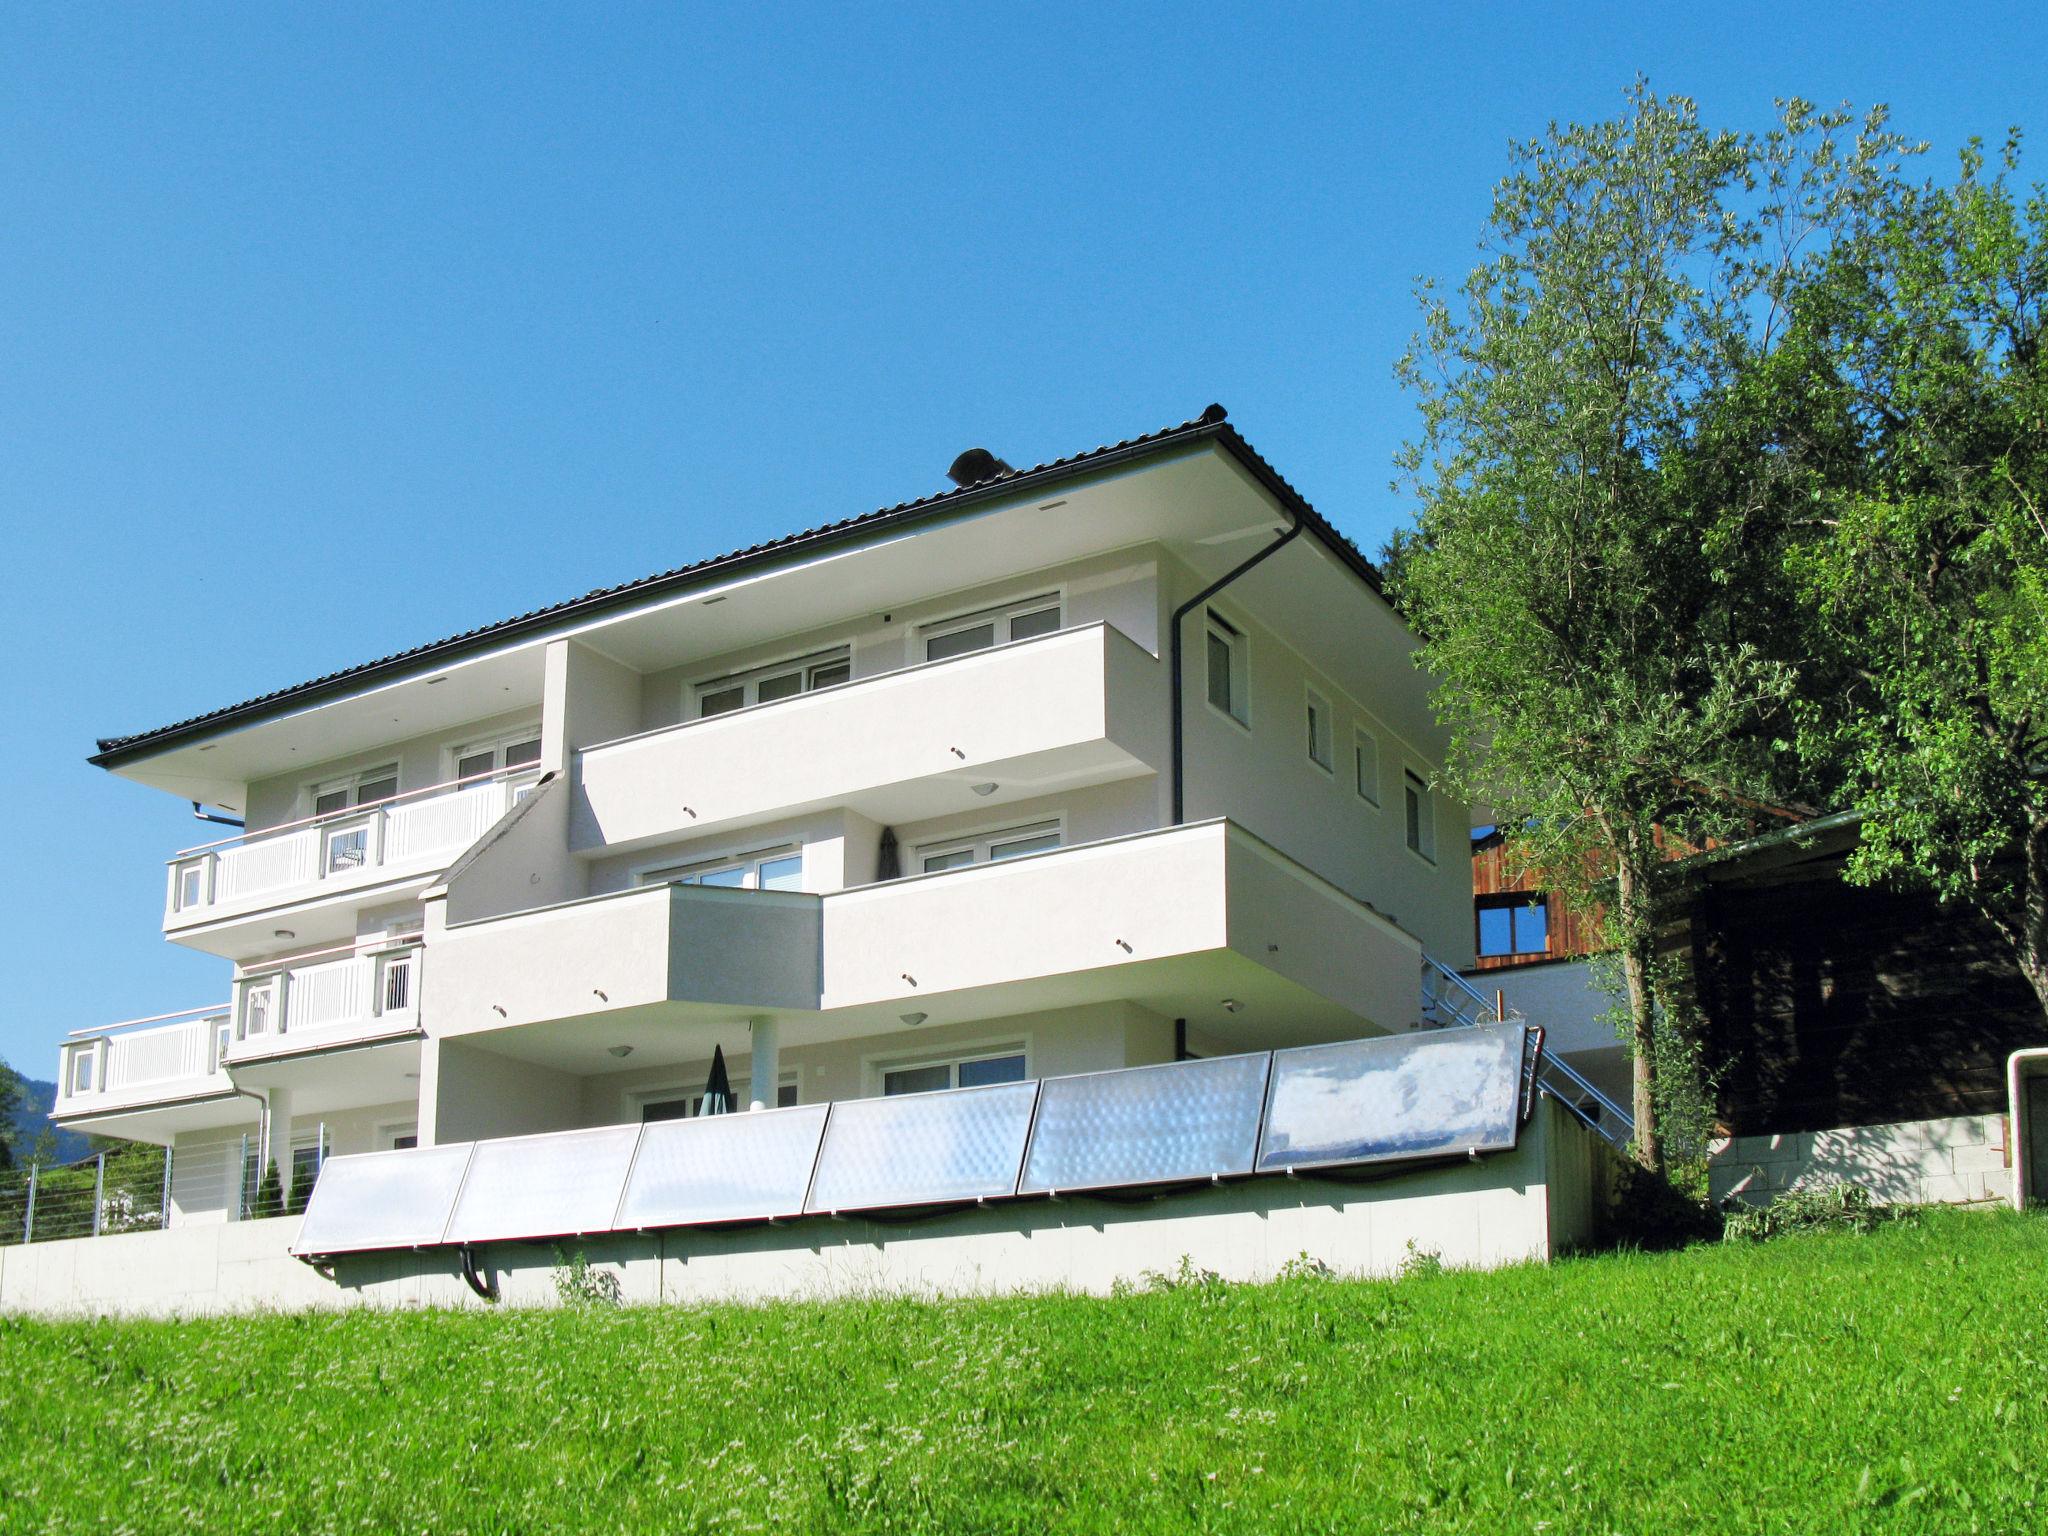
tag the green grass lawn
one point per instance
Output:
(1839, 1383)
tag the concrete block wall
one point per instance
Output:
(1915, 1162)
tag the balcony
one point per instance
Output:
(168, 1058)
(1079, 706)
(1202, 922)
(318, 1002)
(321, 860)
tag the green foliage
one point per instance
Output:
(578, 1285)
(268, 1199)
(1604, 616)
(1896, 1382)
(10, 1097)
(1837, 1206)
(1421, 1263)
(1913, 389)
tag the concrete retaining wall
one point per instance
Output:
(1507, 1208)
(1915, 1162)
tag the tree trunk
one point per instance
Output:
(2031, 950)
(1637, 941)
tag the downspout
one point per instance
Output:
(203, 814)
(1181, 613)
(262, 1137)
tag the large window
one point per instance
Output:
(1001, 1066)
(766, 869)
(356, 789)
(1514, 924)
(992, 626)
(684, 1104)
(1421, 814)
(1229, 684)
(989, 847)
(784, 680)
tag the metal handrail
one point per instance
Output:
(211, 1010)
(258, 833)
(1579, 1082)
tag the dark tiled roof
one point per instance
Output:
(1211, 424)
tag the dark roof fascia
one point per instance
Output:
(1772, 850)
(1210, 426)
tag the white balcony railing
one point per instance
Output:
(176, 1056)
(321, 1000)
(415, 833)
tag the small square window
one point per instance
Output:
(1515, 924)
(1319, 732)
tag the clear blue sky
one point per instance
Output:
(325, 335)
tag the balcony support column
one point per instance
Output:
(766, 1071)
(278, 1152)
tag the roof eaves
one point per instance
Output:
(1211, 424)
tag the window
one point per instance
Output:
(1365, 751)
(223, 1038)
(771, 869)
(1229, 687)
(784, 680)
(989, 847)
(504, 754)
(1421, 816)
(191, 885)
(398, 1136)
(1515, 924)
(992, 626)
(257, 1006)
(1006, 1066)
(1318, 724)
(356, 789)
(81, 1069)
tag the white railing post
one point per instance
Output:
(164, 1210)
(28, 1221)
(99, 1191)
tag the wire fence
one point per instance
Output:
(139, 1188)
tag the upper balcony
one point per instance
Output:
(1078, 706)
(172, 1058)
(227, 897)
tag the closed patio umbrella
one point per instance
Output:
(888, 861)
(718, 1089)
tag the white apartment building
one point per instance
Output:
(1110, 762)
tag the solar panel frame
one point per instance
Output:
(1509, 1044)
(1185, 1072)
(619, 1142)
(843, 1121)
(737, 1127)
(403, 1167)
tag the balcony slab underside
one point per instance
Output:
(323, 1080)
(1199, 923)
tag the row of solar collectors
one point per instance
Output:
(1362, 1101)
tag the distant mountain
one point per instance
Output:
(31, 1116)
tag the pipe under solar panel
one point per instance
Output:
(745, 1167)
(1166, 1124)
(374, 1200)
(543, 1186)
(1402, 1096)
(923, 1148)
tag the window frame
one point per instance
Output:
(805, 663)
(980, 843)
(1315, 707)
(1237, 643)
(637, 1100)
(749, 861)
(1001, 616)
(879, 1067)
(497, 745)
(1512, 903)
(1360, 739)
(351, 785)
(1423, 841)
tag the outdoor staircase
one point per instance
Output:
(1449, 1001)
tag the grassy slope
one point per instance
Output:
(1892, 1382)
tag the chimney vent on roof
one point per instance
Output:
(975, 466)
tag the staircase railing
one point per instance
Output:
(1449, 1001)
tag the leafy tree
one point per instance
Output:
(10, 1099)
(1604, 616)
(1919, 378)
